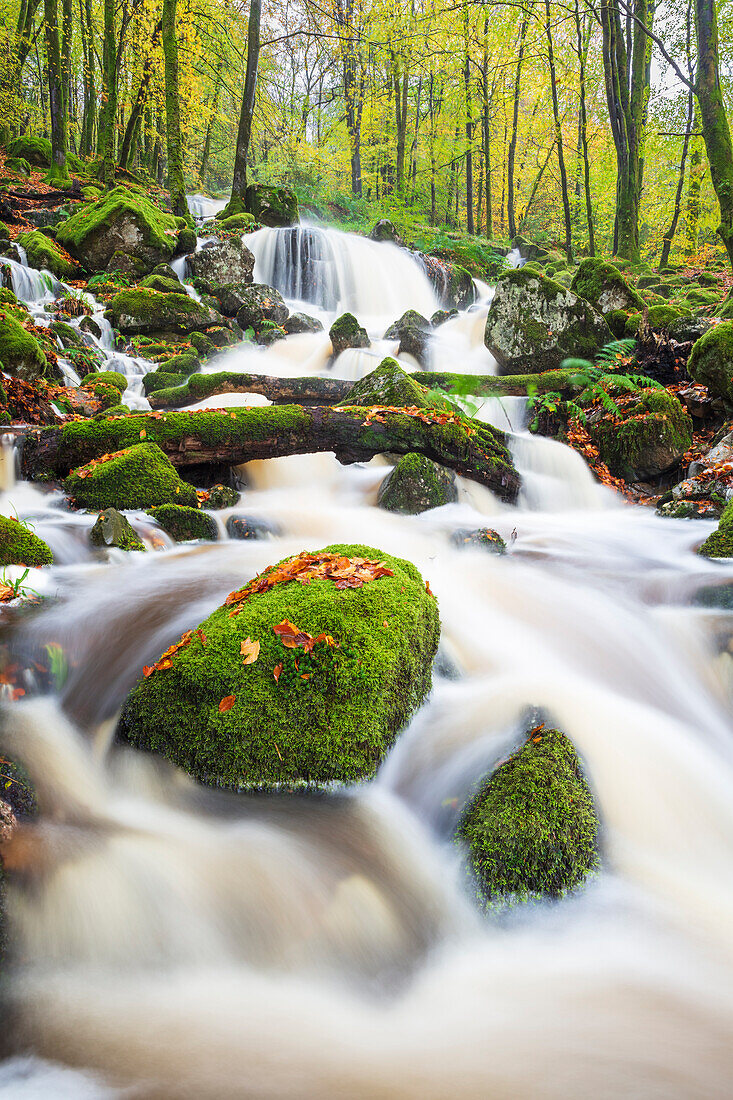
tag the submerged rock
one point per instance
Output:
(416, 484)
(114, 529)
(249, 527)
(346, 332)
(532, 830)
(294, 682)
(484, 537)
(21, 546)
(220, 263)
(653, 436)
(184, 524)
(534, 323)
(136, 477)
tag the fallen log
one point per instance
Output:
(474, 450)
(327, 391)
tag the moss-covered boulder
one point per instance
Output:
(20, 546)
(43, 254)
(294, 682)
(661, 319)
(122, 221)
(222, 496)
(534, 323)
(602, 284)
(413, 332)
(161, 380)
(221, 262)
(652, 437)
(532, 830)
(297, 323)
(346, 332)
(277, 206)
(385, 230)
(261, 306)
(162, 283)
(184, 524)
(482, 538)
(107, 378)
(389, 385)
(720, 543)
(241, 223)
(696, 296)
(114, 529)
(113, 410)
(140, 310)
(136, 477)
(710, 362)
(452, 283)
(416, 484)
(20, 352)
(33, 148)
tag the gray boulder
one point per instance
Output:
(416, 484)
(260, 303)
(220, 263)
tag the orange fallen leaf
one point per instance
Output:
(227, 704)
(250, 651)
(276, 672)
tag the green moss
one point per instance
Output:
(159, 231)
(532, 831)
(142, 310)
(114, 529)
(655, 434)
(187, 240)
(43, 253)
(390, 385)
(277, 206)
(346, 332)
(7, 298)
(186, 363)
(113, 410)
(157, 380)
(710, 362)
(107, 377)
(700, 297)
(602, 284)
(337, 724)
(136, 477)
(20, 352)
(237, 222)
(720, 543)
(20, 546)
(31, 147)
(222, 496)
(415, 485)
(660, 318)
(183, 524)
(162, 284)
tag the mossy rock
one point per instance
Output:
(532, 830)
(20, 352)
(32, 148)
(276, 206)
(257, 306)
(114, 529)
(413, 332)
(652, 438)
(106, 377)
(237, 222)
(18, 165)
(162, 283)
(720, 543)
(44, 254)
(710, 362)
(484, 538)
(698, 297)
(220, 262)
(298, 323)
(346, 332)
(389, 385)
(113, 410)
(661, 318)
(157, 380)
(534, 323)
(187, 240)
(203, 346)
(123, 222)
(602, 284)
(21, 546)
(330, 714)
(140, 310)
(136, 477)
(185, 524)
(222, 496)
(416, 484)
(616, 321)
(70, 337)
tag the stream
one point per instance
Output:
(185, 942)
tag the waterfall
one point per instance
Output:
(29, 285)
(341, 272)
(202, 207)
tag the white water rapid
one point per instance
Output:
(177, 942)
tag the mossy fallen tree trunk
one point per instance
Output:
(354, 434)
(328, 391)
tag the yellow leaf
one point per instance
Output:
(250, 651)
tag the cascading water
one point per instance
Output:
(173, 941)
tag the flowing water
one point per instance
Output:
(178, 942)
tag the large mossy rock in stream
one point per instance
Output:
(140, 310)
(652, 437)
(21, 546)
(532, 830)
(259, 306)
(185, 524)
(415, 485)
(43, 254)
(711, 360)
(221, 262)
(275, 206)
(291, 682)
(413, 332)
(346, 332)
(391, 386)
(136, 477)
(122, 221)
(114, 529)
(534, 323)
(453, 284)
(31, 147)
(602, 284)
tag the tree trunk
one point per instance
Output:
(176, 184)
(236, 203)
(206, 152)
(54, 80)
(558, 138)
(108, 113)
(715, 128)
(400, 81)
(513, 140)
(694, 187)
(132, 130)
(669, 235)
(583, 45)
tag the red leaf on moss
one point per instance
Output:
(227, 704)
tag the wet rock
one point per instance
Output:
(162, 283)
(482, 537)
(416, 484)
(686, 330)
(389, 385)
(230, 297)
(44, 218)
(441, 316)
(222, 496)
(413, 332)
(114, 529)
(136, 477)
(385, 230)
(528, 250)
(140, 310)
(301, 322)
(20, 352)
(21, 546)
(652, 438)
(452, 283)
(720, 454)
(534, 323)
(720, 543)
(346, 332)
(261, 304)
(220, 263)
(602, 284)
(533, 828)
(249, 527)
(711, 360)
(185, 524)
(243, 708)
(269, 336)
(276, 206)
